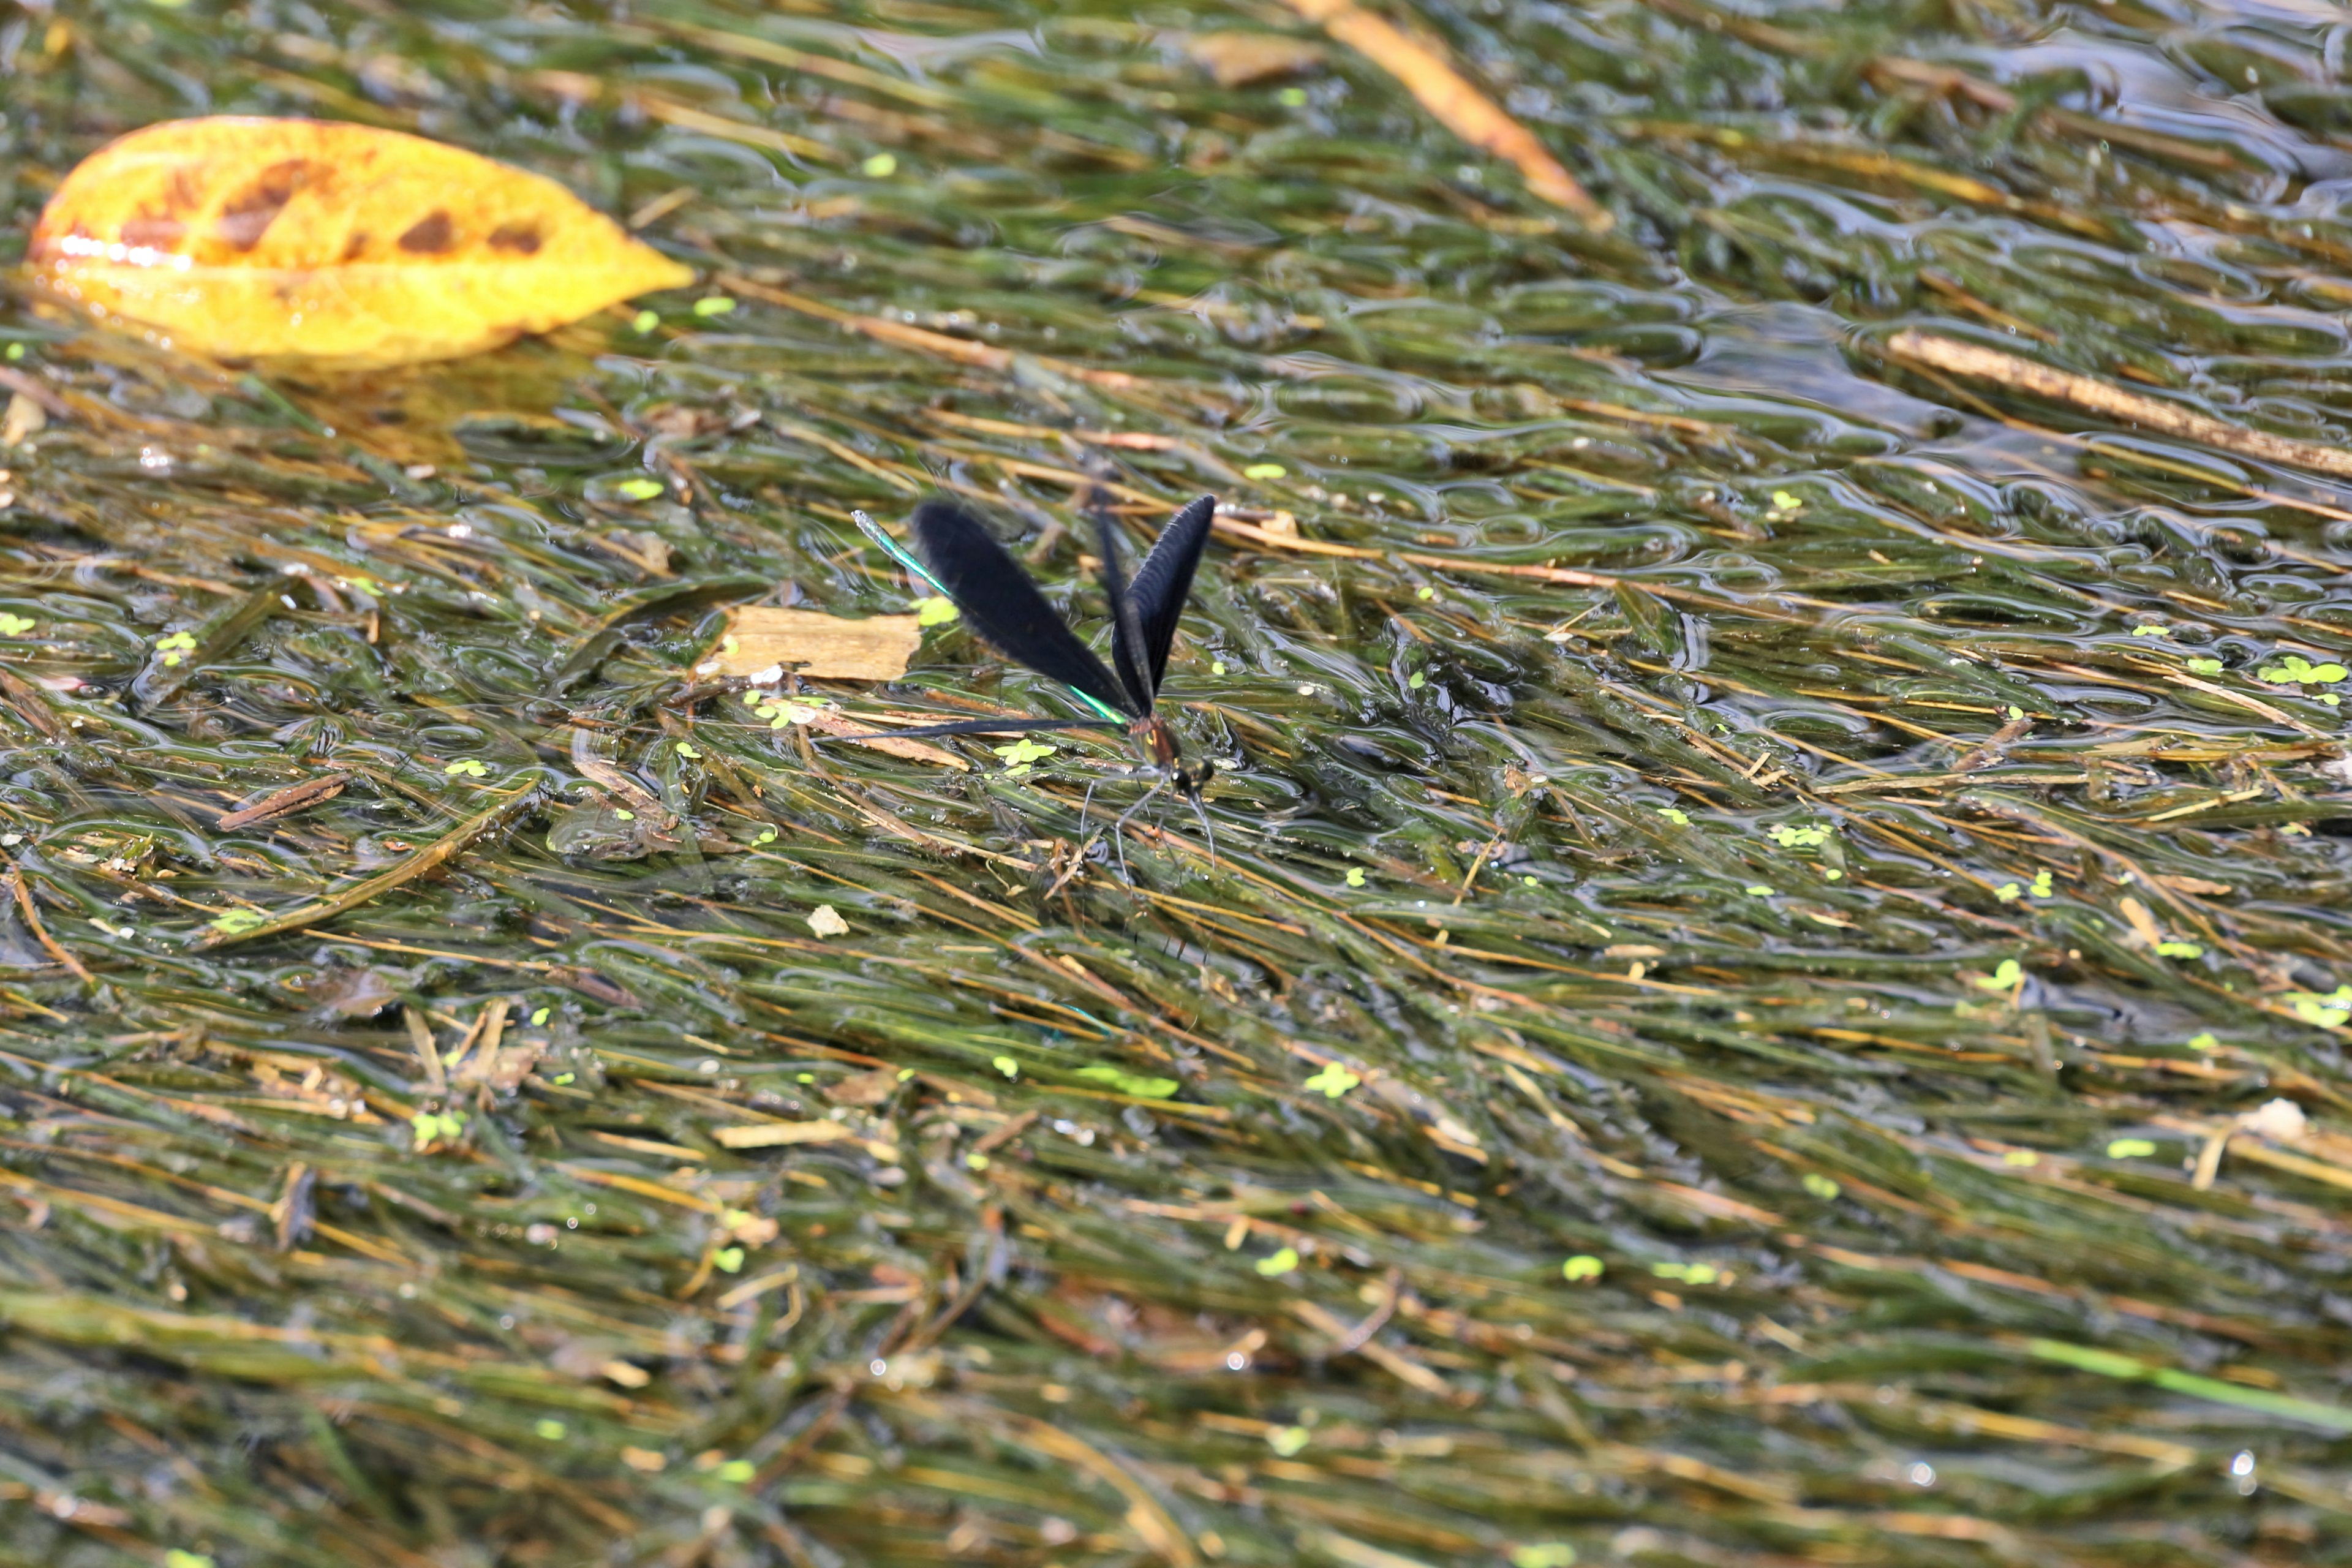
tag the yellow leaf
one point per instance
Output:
(259, 238)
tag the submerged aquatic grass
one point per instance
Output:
(1753, 859)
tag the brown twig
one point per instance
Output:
(23, 897)
(1912, 346)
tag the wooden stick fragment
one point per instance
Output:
(287, 801)
(1914, 347)
(1454, 103)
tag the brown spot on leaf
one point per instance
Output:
(250, 212)
(522, 238)
(355, 247)
(430, 234)
(155, 231)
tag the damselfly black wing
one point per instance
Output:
(1000, 603)
(1126, 655)
(1164, 581)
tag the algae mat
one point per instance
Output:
(1772, 984)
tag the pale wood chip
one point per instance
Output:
(828, 648)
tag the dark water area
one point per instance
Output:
(1773, 980)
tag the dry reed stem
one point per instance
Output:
(1454, 103)
(2113, 402)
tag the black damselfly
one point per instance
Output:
(958, 556)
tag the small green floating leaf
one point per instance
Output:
(1355, 876)
(1264, 471)
(1757, 891)
(975, 1162)
(684, 749)
(1333, 1081)
(646, 321)
(624, 815)
(728, 1259)
(1126, 1082)
(2293, 669)
(2008, 892)
(1687, 1273)
(466, 767)
(1281, 1263)
(1799, 837)
(2016, 714)
(1292, 98)
(1288, 1441)
(1676, 815)
(713, 305)
(176, 1557)
(2204, 1042)
(2130, 1148)
(935, 611)
(1424, 592)
(431, 1127)
(550, 1428)
(1006, 1066)
(880, 167)
(2327, 1012)
(2204, 666)
(1416, 681)
(638, 490)
(1820, 1186)
(237, 922)
(14, 625)
(2179, 949)
(2043, 887)
(2147, 631)
(1581, 1267)
(2003, 978)
(737, 1472)
(1544, 1554)
(539, 1014)
(1022, 753)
